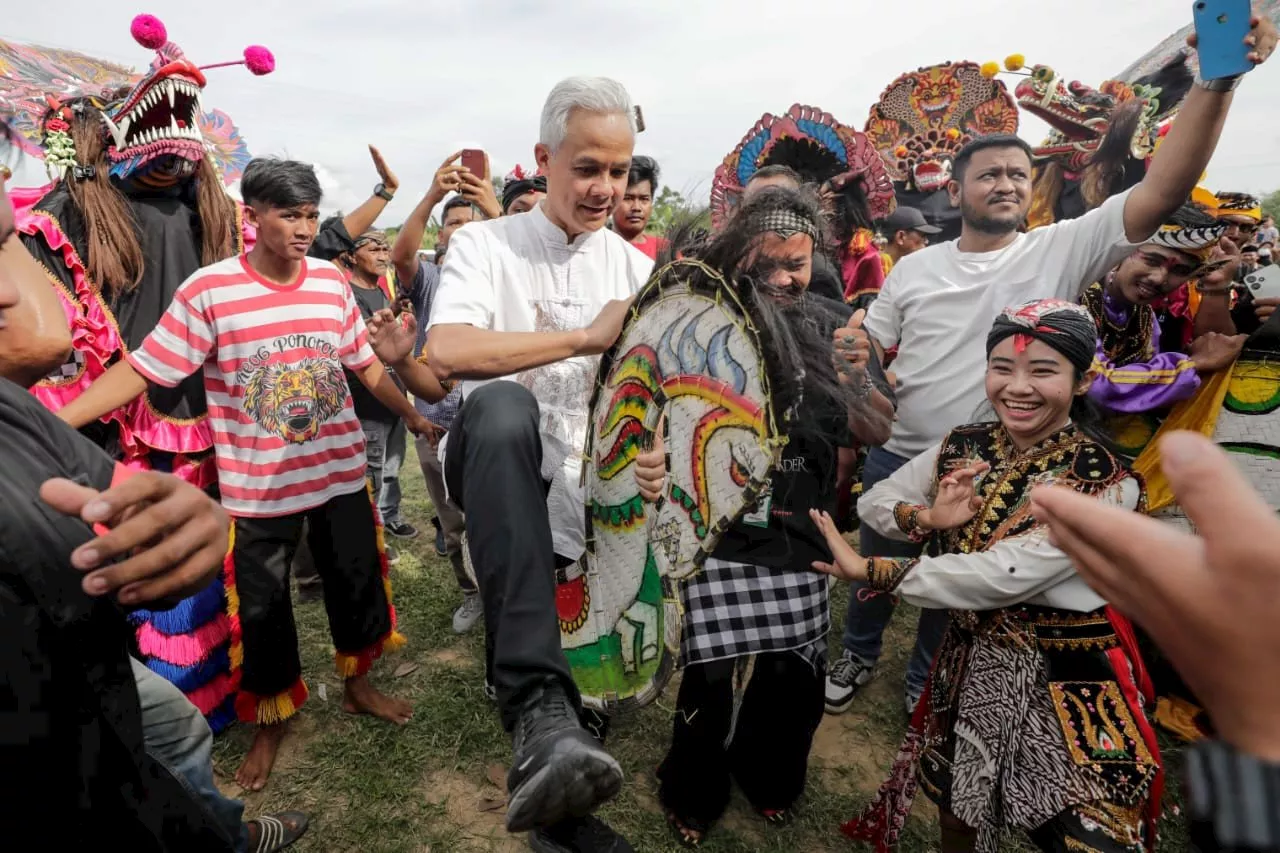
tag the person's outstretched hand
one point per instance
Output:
(392, 336)
(957, 501)
(1209, 601)
(1261, 39)
(849, 565)
(172, 536)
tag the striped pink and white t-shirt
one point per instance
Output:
(285, 435)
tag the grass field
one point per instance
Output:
(437, 784)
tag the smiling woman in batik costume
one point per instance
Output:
(755, 619)
(1031, 719)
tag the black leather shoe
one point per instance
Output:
(559, 770)
(579, 835)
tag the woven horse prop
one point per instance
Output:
(1240, 409)
(688, 361)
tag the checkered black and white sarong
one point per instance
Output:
(735, 609)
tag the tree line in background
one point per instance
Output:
(1271, 205)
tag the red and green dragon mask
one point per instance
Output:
(1080, 116)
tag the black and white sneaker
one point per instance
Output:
(559, 770)
(579, 835)
(848, 675)
(401, 529)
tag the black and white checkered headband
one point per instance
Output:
(785, 223)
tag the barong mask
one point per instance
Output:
(925, 117)
(149, 123)
(816, 146)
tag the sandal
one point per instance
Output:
(276, 831)
(681, 827)
(777, 817)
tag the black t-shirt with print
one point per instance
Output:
(367, 406)
(71, 731)
(778, 532)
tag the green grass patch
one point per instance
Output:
(433, 785)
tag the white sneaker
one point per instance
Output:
(847, 676)
(467, 614)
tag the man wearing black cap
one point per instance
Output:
(905, 231)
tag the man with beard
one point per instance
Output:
(938, 304)
(823, 278)
(532, 301)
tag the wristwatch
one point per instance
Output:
(380, 190)
(1233, 799)
(1224, 84)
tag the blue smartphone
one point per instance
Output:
(1221, 27)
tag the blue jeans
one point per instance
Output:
(869, 613)
(176, 735)
(385, 445)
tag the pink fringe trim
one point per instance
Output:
(94, 335)
(209, 696)
(185, 649)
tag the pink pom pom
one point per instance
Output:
(259, 60)
(149, 31)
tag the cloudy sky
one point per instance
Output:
(421, 80)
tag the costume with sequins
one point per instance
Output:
(1031, 717)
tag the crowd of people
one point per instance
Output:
(973, 389)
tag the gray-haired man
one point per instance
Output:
(532, 300)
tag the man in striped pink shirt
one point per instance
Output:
(271, 331)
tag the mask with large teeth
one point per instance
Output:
(158, 118)
(154, 126)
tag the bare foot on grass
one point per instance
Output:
(360, 697)
(255, 770)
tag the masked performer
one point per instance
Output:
(839, 160)
(755, 619)
(137, 206)
(926, 116)
(1031, 718)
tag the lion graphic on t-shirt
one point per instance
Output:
(294, 400)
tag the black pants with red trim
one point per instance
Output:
(343, 542)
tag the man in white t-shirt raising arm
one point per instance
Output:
(533, 300)
(938, 303)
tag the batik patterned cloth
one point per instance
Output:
(1031, 718)
(735, 609)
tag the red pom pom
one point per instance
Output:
(149, 31)
(259, 60)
